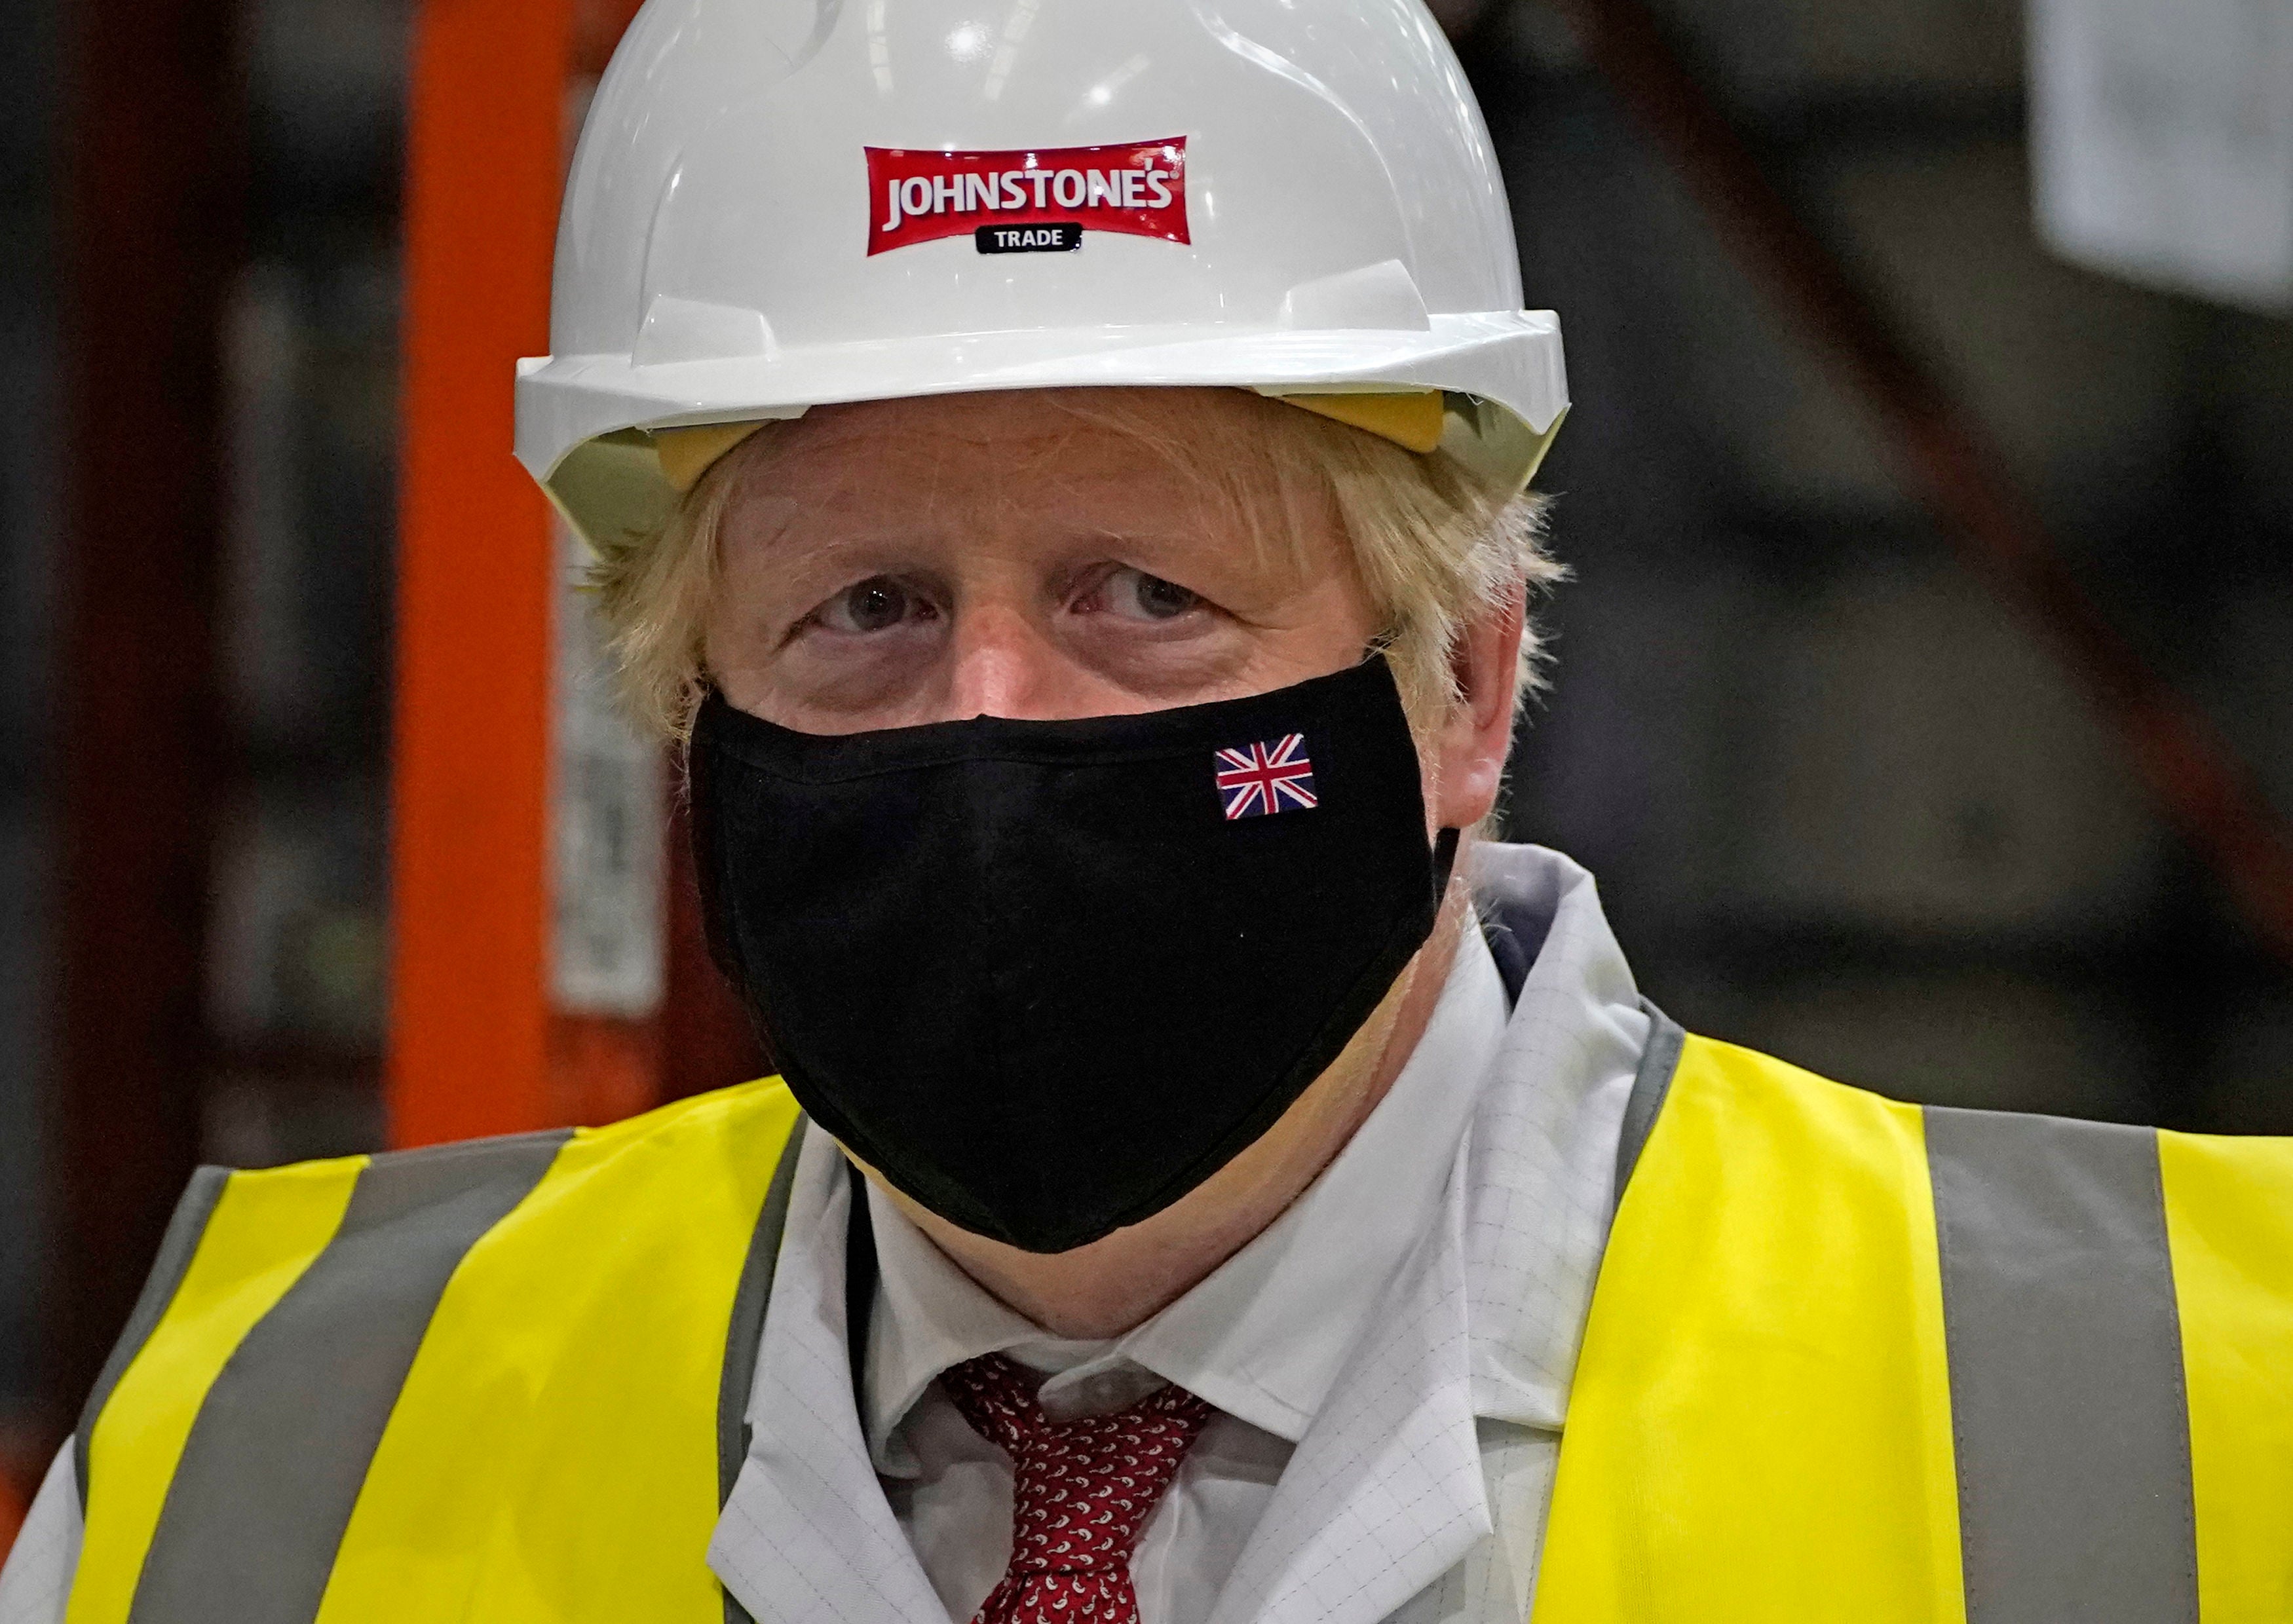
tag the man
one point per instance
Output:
(1060, 468)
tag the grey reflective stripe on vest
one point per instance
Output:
(2067, 1401)
(184, 1229)
(1651, 1083)
(745, 1338)
(275, 1459)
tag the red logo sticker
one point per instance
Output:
(1140, 190)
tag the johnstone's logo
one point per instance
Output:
(1027, 202)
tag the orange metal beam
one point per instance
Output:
(152, 173)
(470, 1025)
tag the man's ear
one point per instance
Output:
(1473, 740)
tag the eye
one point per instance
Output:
(1136, 595)
(873, 605)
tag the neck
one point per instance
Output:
(1103, 1289)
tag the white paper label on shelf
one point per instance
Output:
(608, 818)
(2162, 141)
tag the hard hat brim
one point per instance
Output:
(583, 421)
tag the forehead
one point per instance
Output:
(1216, 488)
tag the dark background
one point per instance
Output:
(1843, 804)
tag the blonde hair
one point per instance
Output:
(1433, 547)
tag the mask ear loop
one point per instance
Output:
(701, 827)
(1445, 860)
(1444, 843)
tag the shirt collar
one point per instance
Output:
(1262, 1336)
(1540, 1174)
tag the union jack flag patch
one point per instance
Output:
(1272, 776)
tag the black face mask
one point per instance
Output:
(1047, 977)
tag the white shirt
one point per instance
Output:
(1391, 1359)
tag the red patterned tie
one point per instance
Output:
(1081, 1492)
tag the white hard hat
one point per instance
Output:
(780, 204)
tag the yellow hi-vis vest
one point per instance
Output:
(1847, 1360)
